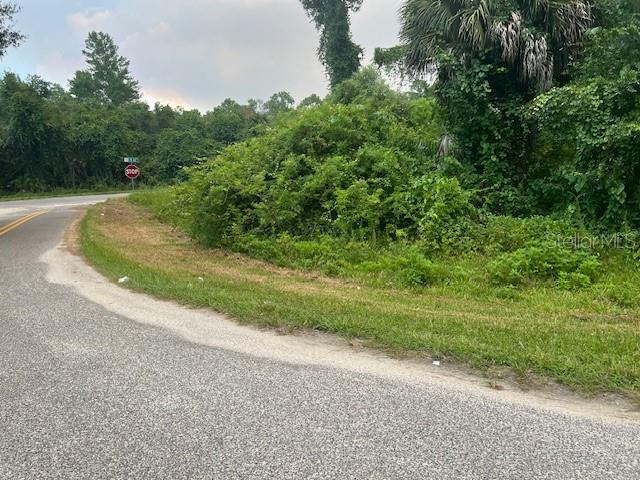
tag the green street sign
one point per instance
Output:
(131, 160)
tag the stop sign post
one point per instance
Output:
(132, 172)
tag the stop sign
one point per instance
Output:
(132, 171)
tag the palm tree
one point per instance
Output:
(533, 36)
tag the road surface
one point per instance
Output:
(100, 383)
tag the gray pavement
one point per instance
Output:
(89, 393)
(12, 209)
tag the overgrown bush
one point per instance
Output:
(546, 261)
(446, 218)
(397, 265)
(598, 117)
(364, 171)
(355, 187)
(503, 234)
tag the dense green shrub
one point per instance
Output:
(363, 170)
(503, 234)
(355, 187)
(397, 265)
(598, 116)
(482, 106)
(446, 218)
(544, 261)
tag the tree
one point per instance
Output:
(108, 78)
(533, 37)
(340, 56)
(231, 122)
(278, 103)
(490, 58)
(84, 86)
(310, 101)
(165, 116)
(8, 36)
(30, 141)
(177, 149)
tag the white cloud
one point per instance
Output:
(83, 22)
(159, 28)
(210, 50)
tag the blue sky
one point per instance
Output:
(193, 53)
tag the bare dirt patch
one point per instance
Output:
(71, 238)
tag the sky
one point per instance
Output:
(193, 53)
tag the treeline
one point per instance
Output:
(49, 139)
(52, 138)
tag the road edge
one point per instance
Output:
(205, 327)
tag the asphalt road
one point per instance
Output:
(94, 389)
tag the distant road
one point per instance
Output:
(13, 209)
(101, 383)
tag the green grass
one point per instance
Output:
(584, 339)
(5, 197)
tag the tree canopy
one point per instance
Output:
(107, 78)
(535, 38)
(9, 37)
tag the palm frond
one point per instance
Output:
(507, 35)
(466, 27)
(426, 26)
(571, 21)
(533, 8)
(475, 25)
(537, 61)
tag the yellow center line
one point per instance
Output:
(20, 221)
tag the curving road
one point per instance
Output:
(100, 383)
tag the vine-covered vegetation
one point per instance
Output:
(522, 157)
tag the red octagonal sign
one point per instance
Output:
(132, 171)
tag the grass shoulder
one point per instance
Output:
(582, 340)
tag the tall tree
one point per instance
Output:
(9, 37)
(30, 141)
(534, 37)
(337, 51)
(108, 78)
